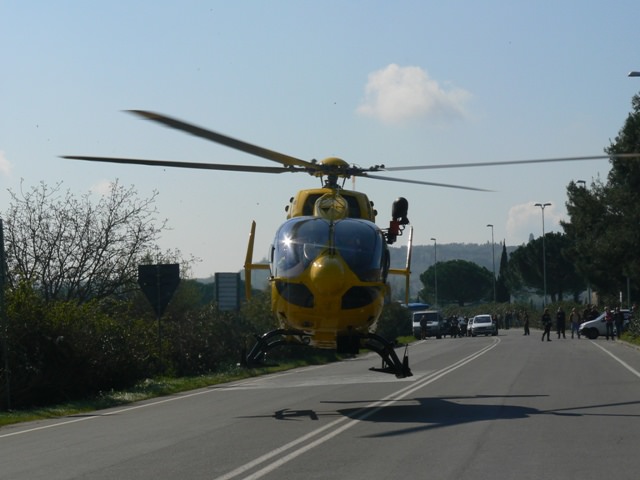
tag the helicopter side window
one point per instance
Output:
(362, 246)
(298, 242)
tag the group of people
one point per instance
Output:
(612, 318)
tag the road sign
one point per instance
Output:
(228, 291)
(159, 283)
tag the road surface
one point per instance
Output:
(506, 407)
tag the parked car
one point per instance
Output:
(433, 324)
(483, 325)
(593, 328)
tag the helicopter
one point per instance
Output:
(329, 262)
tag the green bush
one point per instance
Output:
(394, 322)
(60, 351)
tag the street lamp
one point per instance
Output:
(435, 269)
(544, 257)
(634, 74)
(493, 253)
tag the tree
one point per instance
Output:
(526, 267)
(459, 281)
(502, 291)
(603, 218)
(71, 248)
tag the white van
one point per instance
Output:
(434, 324)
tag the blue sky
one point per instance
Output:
(374, 82)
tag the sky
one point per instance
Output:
(401, 83)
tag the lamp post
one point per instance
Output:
(544, 257)
(493, 254)
(633, 74)
(435, 269)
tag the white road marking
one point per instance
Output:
(338, 426)
(620, 361)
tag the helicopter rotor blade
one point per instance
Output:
(223, 139)
(198, 165)
(418, 182)
(512, 162)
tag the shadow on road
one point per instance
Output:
(432, 413)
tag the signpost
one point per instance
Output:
(159, 283)
(228, 291)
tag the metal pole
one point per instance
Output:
(493, 254)
(435, 268)
(544, 256)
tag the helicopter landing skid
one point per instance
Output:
(273, 339)
(390, 361)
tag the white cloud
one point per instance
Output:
(395, 94)
(102, 188)
(526, 219)
(5, 165)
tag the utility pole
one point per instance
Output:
(435, 268)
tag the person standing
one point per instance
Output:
(526, 323)
(546, 323)
(574, 318)
(561, 322)
(423, 326)
(608, 323)
(618, 319)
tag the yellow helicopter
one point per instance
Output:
(329, 260)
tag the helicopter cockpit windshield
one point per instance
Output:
(301, 240)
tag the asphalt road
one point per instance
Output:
(506, 407)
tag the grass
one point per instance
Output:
(146, 389)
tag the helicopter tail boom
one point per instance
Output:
(407, 270)
(249, 266)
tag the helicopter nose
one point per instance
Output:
(327, 274)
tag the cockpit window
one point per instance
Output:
(361, 245)
(300, 240)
